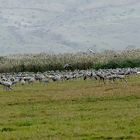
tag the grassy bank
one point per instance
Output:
(71, 110)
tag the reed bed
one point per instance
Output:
(82, 60)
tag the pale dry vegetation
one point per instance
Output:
(43, 62)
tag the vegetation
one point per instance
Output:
(119, 63)
(71, 110)
(43, 62)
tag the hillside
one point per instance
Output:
(68, 25)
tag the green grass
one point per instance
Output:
(75, 110)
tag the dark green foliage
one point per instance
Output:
(24, 123)
(7, 129)
(119, 63)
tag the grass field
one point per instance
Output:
(75, 110)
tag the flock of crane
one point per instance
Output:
(7, 80)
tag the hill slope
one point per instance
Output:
(68, 25)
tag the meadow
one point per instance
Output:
(71, 110)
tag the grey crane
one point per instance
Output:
(7, 84)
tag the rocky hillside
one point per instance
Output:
(68, 25)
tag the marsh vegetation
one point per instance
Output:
(44, 62)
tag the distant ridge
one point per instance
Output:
(62, 26)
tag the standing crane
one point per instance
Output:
(6, 84)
